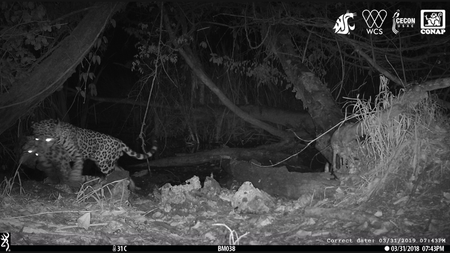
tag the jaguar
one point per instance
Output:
(47, 156)
(81, 144)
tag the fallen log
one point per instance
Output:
(265, 154)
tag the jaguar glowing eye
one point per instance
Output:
(30, 151)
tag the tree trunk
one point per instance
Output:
(48, 76)
(315, 96)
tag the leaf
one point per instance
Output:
(83, 76)
(113, 22)
(143, 26)
(46, 28)
(41, 11)
(93, 89)
(44, 41)
(84, 221)
(37, 46)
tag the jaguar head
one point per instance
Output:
(39, 145)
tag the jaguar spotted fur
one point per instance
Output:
(81, 144)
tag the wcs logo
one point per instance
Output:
(374, 20)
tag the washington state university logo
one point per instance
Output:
(432, 21)
(374, 21)
(342, 26)
(6, 240)
(397, 22)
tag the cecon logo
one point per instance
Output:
(432, 21)
(374, 20)
(397, 22)
(342, 26)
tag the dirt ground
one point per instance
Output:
(210, 214)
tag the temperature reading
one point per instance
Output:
(121, 248)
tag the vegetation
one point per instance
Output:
(201, 75)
